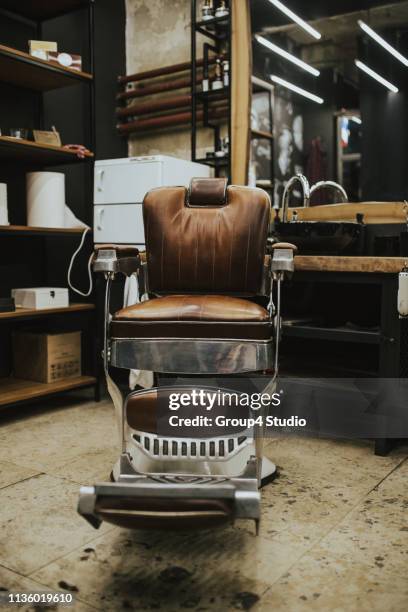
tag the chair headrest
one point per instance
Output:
(207, 192)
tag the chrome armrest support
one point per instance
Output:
(282, 266)
(113, 259)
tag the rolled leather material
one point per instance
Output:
(217, 249)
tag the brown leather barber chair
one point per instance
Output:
(206, 262)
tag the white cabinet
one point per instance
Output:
(120, 186)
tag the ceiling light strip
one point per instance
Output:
(301, 22)
(296, 89)
(380, 40)
(291, 58)
(373, 74)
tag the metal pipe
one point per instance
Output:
(335, 186)
(140, 92)
(157, 72)
(146, 108)
(304, 183)
(167, 121)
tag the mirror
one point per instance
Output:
(338, 103)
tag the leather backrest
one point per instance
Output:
(206, 239)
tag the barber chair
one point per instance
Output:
(206, 263)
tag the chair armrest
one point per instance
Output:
(282, 258)
(284, 245)
(112, 258)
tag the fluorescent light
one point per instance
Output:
(376, 76)
(356, 119)
(296, 19)
(291, 58)
(380, 40)
(296, 89)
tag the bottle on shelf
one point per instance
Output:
(223, 148)
(207, 10)
(225, 73)
(222, 9)
(205, 83)
(217, 82)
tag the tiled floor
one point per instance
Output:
(334, 534)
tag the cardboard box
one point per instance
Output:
(40, 48)
(46, 357)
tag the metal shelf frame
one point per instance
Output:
(218, 30)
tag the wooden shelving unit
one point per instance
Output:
(19, 69)
(30, 313)
(15, 390)
(262, 134)
(18, 149)
(24, 70)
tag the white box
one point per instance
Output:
(41, 297)
(120, 186)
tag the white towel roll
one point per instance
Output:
(45, 199)
(3, 205)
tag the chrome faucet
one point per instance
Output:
(335, 186)
(306, 193)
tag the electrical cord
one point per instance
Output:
(71, 264)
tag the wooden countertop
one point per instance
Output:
(335, 263)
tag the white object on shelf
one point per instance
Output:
(403, 293)
(45, 199)
(41, 297)
(120, 186)
(3, 205)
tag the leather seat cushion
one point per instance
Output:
(143, 411)
(193, 316)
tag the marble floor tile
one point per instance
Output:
(13, 582)
(11, 473)
(45, 441)
(323, 582)
(219, 570)
(39, 523)
(374, 533)
(88, 468)
(347, 462)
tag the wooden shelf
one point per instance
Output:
(339, 334)
(28, 313)
(24, 70)
(40, 10)
(34, 152)
(27, 230)
(14, 390)
(262, 134)
(213, 161)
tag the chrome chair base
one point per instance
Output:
(179, 356)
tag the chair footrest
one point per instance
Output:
(170, 501)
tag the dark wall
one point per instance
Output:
(385, 145)
(385, 122)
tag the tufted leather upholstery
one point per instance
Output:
(205, 243)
